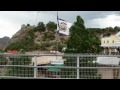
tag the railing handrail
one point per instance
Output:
(76, 65)
(62, 54)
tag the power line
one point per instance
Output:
(37, 17)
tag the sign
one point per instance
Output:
(108, 60)
(63, 27)
(57, 62)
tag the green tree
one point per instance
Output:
(28, 24)
(20, 71)
(26, 43)
(81, 41)
(48, 36)
(51, 26)
(40, 27)
(3, 60)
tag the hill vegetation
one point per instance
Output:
(43, 37)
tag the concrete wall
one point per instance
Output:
(106, 73)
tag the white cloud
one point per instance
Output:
(7, 28)
(108, 21)
(11, 21)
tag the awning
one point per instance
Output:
(110, 45)
(54, 69)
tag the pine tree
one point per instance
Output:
(81, 41)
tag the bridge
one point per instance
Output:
(59, 66)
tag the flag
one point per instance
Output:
(63, 26)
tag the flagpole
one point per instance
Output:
(57, 34)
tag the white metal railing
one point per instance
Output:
(76, 66)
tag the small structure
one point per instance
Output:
(107, 73)
(48, 61)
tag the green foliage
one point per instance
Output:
(20, 71)
(51, 26)
(37, 47)
(105, 31)
(86, 40)
(40, 27)
(22, 51)
(58, 46)
(28, 24)
(88, 73)
(2, 51)
(81, 41)
(48, 36)
(45, 45)
(26, 43)
(3, 60)
(62, 40)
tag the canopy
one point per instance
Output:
(111, 45)
(54, 69)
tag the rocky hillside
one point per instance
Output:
(30, 39)
(3, 42)
(21, 33)
(43, 37)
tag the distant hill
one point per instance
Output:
(4, 41)
(30, 39)
(105, 32)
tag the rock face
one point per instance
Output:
(30, 39)
(21, 33)
(4, 41)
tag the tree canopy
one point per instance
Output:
(51, 26)
(82, 40)
(40, 27)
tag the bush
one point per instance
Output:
(20, 71)
(51, 26)
(3, 60)
(26, 43)
(48, 36)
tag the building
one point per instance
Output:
(108, 73)
(111, 44)
(46, 61)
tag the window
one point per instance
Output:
(113, 41)
(104, 41)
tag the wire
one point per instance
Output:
(37, 17)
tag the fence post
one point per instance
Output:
(35, 68)
(77, 66)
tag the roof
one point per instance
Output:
(118, 34)
(108, 60)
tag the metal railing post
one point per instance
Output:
(35, 68)
(77, 66)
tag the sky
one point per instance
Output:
(11, 21)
